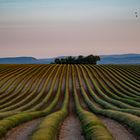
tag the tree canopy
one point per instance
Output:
(90, 59)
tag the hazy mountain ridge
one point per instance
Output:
(105, 59)
(18, 60)
(120, 59)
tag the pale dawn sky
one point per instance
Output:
(48, 28)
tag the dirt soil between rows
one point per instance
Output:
(71, 127)
(118, 131)
(23, 131)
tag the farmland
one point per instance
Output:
(69, 102)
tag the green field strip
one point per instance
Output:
(7, 76)
(15, 120)
(134, 111)
(10, 85)
(47, 98)
(49, 127)
(122, 84)
(31, 104)
(113, 85)
(7, 69)
(92, 126)
(124, 76)
(28, 95)
(132, 121)
(130, 70)
(18, 81)
(30, 75)
(22, 94)
(7, 82)
(97, 84)
(26, 99)
(13, 87)
(111, 94)
(102, 95)
(117, 85)
(59, 92)
(128, 74)
(101, 104)
(98, 100)
(124, 81)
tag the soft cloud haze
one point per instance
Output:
(47, 28)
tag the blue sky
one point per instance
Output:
(72, 2)
(20, 6)
(46, 28)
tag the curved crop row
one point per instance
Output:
(29, 81)
(92, 126)
(130, 120)
(113, 85)
(24, 103)
(120, 82)
(48, 128)
(111, 94)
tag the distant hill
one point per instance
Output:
(105, 59)
(25, 60)
(18, 60)
(46, 61)
(120, 59)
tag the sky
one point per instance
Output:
(49, 28)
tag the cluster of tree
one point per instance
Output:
(90, 59)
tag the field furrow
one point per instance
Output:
(69, 102)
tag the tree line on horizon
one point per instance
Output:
(90, 59)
